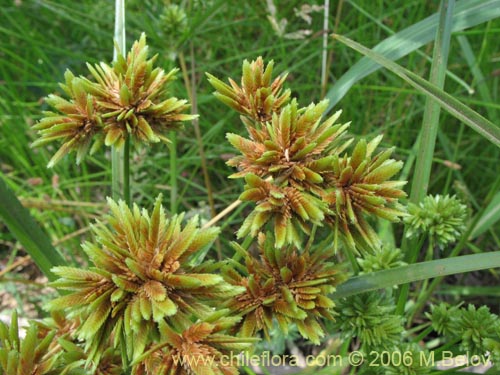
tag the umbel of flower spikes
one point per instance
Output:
(360, 185)
(289, 157)
(141, 275)
(258, 98)
(199, 348)
(441, 217)
(286, 285)
(126, 100)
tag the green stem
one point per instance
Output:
(405, 289)
(173, 172)
(120, 164)
(430, 124)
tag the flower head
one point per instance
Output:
(385, 258)
(199, 348)
(127, 99)
(141, 275)
(295, 147)
(441, 217)
(370, 317)
(257, 98)
(288, 208)
(287, 285)
(131, 95)
(360, 185)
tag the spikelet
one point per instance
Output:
(28, 355)
(257, 98)
(77, 122)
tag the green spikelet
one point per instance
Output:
(443, 218)
(370, 318)
(383, 259)
(29, 355)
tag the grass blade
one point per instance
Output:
(489, 218)
(24, 228)
(456, 108)
(467, 13)
(417, 272)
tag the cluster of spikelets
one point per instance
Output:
(295, 165)
(143, 283)
(472, 330)
(288, 285)
(125, 100)
(442, 218)
(200, 348)
(49, 348)
(371, 319)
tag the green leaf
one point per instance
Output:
(467, 13)
(416, 272)
(489, 218)
(471, 118)
(25, 229)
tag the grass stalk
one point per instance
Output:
(173, 172)
(120, 158)
(432, 109)
(324, 52)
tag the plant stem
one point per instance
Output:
(324, 53)
(173, 172)
(120, 158)
(223, 213)
(430, 124)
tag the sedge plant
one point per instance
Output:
(149, 302)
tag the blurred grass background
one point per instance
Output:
(39, 40)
